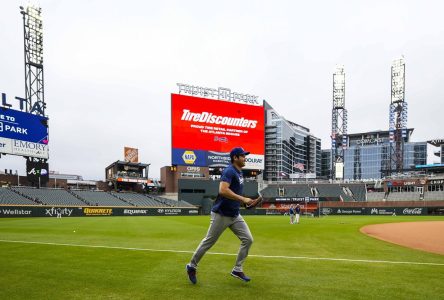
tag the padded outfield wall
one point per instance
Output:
(93, 211)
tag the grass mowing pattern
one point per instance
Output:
(48, 272)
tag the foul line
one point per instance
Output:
(230, 254)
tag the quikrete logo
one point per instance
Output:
(189, 157)
(98, 211)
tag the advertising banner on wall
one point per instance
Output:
(23, 134)
(377, 211)
(53, 211)
(205, 130)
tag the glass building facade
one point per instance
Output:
(326, 157)
(291, 152)
(367, 155)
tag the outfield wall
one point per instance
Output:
(74, 211)
(383, 204)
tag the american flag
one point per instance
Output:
(299, 166)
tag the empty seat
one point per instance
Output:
(50, 196)
(8, 196)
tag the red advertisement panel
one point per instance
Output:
(214, 125)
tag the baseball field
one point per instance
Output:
(145, 257)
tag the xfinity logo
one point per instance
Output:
(58, 210)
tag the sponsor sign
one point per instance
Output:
(297, 199)
(376, 211)
(135, 212)
(369, 141)
(382, 211)
(132, 180)
(436, 182)
(131, 154)
(413, 211)
(436, 142)
(193, 169)
(218, 159)
(15, 212)
(212, 128)
(350, 211)
(30, 149)
(52, 211)
(63, 211)
(184, 157)
(88, 211)
(219, 94)
(6, 145)
(37, 172)
(17, 125)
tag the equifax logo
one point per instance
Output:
(189, 157)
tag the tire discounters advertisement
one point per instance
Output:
(205, 130)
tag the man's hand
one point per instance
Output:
(253, 202)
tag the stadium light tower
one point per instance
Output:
(33, 41)
(398, 116)
(339, 123)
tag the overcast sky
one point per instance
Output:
(110, 67)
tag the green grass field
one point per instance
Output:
(38, 271)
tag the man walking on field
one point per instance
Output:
(225, 214)
(298, 213)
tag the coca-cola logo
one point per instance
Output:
(412, 211)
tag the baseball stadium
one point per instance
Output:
(370, 206)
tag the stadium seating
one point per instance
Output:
(375, 196)
(404, 196)
(168, 202)
(434, 196)
(332, 191)
(358, 191)
(137, 199)
(50, 196)
(300, 190)
(101, 198)
(8, 196)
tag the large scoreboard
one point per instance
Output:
(205, 130)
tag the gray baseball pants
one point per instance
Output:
(218, 224)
